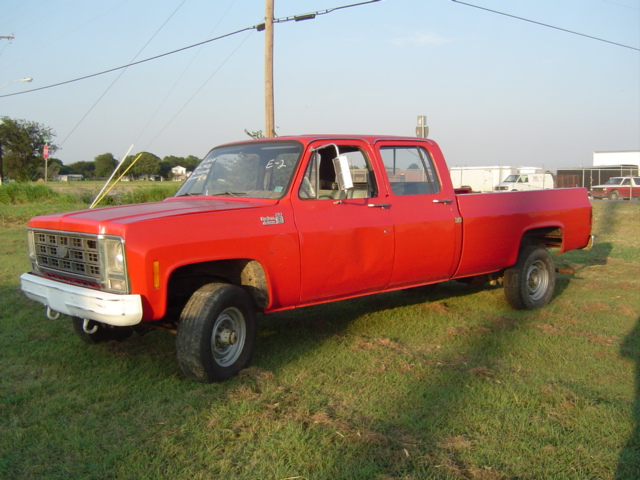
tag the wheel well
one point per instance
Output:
(550, 237)
(245, 273)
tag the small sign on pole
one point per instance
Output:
(45, 154)
(422, 130)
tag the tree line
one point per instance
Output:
(22, 145)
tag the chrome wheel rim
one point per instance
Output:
(537, 280)
(228, 336)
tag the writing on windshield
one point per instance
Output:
(254, 169)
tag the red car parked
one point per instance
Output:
(618, 187)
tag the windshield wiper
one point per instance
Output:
(228, 194)
(218, 194)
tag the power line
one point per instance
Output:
(184, 71)
(546, 25)
(259, 27)
(115, 69)
(119, 75)
(309, 16)
(196, 92)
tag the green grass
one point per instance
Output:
(85, 192)
(21, 201)
(419, 384)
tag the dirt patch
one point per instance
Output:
(549, 329)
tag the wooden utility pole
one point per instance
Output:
(268, 72)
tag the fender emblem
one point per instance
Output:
(275, 220)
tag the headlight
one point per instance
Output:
(115, 266)
(31, 246)
(114, 255)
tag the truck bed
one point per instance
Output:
(494, 223)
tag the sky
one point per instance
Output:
(496, 90)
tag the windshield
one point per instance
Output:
(614, 181)
(258, 170)
(511, 178)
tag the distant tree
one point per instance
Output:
(165, 168)
(84, 168)
(147, 164)
(104, 165)
(21, 148)
(191, 162)
(54, 166)
(65, 170)
(172, 160)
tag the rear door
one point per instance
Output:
(346, 237)
(428, 227)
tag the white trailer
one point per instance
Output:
(480, 179)
(628, 157)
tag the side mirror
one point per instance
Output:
(343, 172)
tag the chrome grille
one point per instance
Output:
(72, 253)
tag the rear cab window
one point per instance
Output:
(410, 170)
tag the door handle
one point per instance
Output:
(379, 205)
(446, 201)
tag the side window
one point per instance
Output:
(410, 170)
(319, 181)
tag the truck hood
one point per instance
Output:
(96, 221)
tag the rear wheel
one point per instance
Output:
(216, 333)
(95, 332)
(530, 283)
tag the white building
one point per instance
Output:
(605, 159)
(179, 173)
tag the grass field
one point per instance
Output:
(422, 384)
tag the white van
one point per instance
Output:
(525, 181)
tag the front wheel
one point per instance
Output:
(530, 283)
(216, 333)
(613, 195)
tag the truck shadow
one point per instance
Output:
(422, 434)
(292, 333)
(629, 459)
(579, 260)
(419, 433)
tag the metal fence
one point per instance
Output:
(588, 177)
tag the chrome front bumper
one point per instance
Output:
(109, 308)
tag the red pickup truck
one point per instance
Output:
(274, 224)
(617, 187)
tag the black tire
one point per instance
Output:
(96, 332)
(216, 333)
(530, 283)
(613, 195)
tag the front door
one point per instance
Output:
(346, 237)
